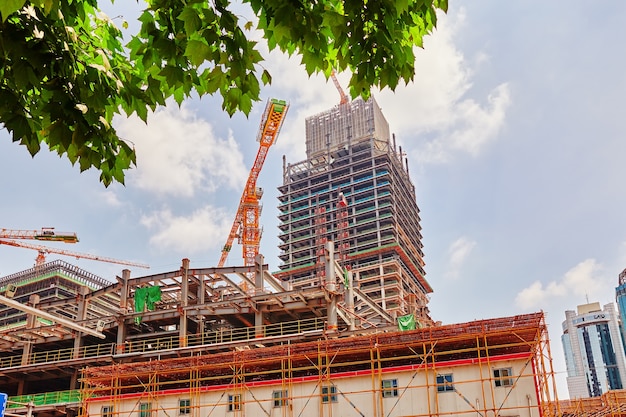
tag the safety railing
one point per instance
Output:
(48, 398)
(169, 342)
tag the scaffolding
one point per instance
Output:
(383, 373)
(609, 404)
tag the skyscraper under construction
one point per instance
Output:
(354, 189)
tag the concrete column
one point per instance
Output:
(259, 283)
(81, 315)
(184, 295)
(331, 286)
(121, 325)
(31, 321)
(349, 297)
(201, 295)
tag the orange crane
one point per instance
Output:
(45, 233)
(246, 225)
(344, 98)
(43, 250)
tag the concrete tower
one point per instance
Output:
(354, 189)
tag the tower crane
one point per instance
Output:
(246, 224)
(43, 250)
(45, 233)
(343, 97)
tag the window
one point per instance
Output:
(503, 376)
(329, 394)
(280, 398)
(184, 407)
(107, 411)
(145, 410)
(390, 388)
(234, 402)
(444, 383)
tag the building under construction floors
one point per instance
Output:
(194, 342)
(354, 189)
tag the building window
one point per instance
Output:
(444, 383)
(329, 394)
(502, 377)
(107, 411)
(145, 410)
(184, 406)
(280, 398)
(390, 388)
(234, 402)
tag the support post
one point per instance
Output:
(81, 315)
(350, 299)
(121, 324)
(31, 320)
(331, 286)
(259, 284)
(184, 295)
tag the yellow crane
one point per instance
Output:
(246, 224)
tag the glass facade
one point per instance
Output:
(620, 297)
(594, 352)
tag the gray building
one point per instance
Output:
(594, 353)
(354, 189)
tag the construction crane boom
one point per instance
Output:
(45, 233)
(344, 98)
(43, 250)
(246, 223)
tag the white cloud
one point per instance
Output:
(109, 198)
(582, 281)
(178, 154)
(437, 106)
(459, 251)
(203, 230)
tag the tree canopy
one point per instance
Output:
(65, 70)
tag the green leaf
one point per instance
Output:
(197, 52)
(8, 7)
(190, 17)
(266, 77)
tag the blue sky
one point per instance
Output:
(515, 133)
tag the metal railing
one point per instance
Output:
(48, 398)
(169, 342)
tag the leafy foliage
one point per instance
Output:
(64, 72)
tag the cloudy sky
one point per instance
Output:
(515, 130)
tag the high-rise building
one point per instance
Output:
(594, 353)
(620, 297)
(354, 189)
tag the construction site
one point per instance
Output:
(342, 328)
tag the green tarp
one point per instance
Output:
(406, 322)
(145, 297)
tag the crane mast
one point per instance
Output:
(246, 224)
